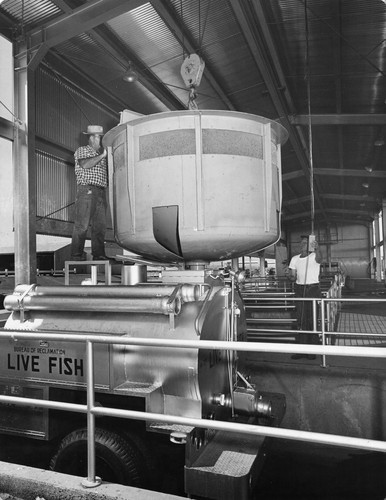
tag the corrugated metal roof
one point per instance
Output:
(30, 12)
(258, 56)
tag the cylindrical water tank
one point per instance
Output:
(196, 185)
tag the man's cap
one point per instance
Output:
(94, 130)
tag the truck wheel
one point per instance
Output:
(151, 465)
(115, 460)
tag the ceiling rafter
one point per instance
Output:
(106, 39)
(350, 197)
(332, 196)
(112, 44)
(7, 28)
(6, 128)
(340, 119)
(296, 201)
(350, 172)
(109, 42)
(346, 172)
(334, 214)
(73, 23)
(62, 5)
(68, 71)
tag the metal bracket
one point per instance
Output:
(172, 325)
(20, 302)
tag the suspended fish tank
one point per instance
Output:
(196, 186)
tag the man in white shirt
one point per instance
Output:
(304, 270)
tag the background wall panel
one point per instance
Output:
(63, 112)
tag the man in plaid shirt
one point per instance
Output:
(91, 201)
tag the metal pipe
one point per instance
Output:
(370, 352)
(328, 333)
(154, 305)
(259, 430)
(188, 293)
(92, 480)
(42, 403)
(323, 326)
(302, 299)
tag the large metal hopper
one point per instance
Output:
(196, 185)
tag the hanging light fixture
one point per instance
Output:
(130, 75)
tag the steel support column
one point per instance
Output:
(24, 171)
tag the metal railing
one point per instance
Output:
(256, 430)
(324, 318)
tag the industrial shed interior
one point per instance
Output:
(233, 127)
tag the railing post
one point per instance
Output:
(314, 315)
(92, 480)
(322, 320)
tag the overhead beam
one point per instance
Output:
(331, 196)
(350, 172)
(73, 23)
(296, 201)
(353, 215)
(349, 197)
(289, 176)
(66, 70)
(6, 129)
(61, 4)
(340, 119)
(111, 44)
(347, 172)
(7, 27)
(81, 19)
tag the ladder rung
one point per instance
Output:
(270, 307)
(272, 301)
(268, 294)
(254, 338)
(267, 334)
(270, 320)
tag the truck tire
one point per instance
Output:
(116, 461)
(151, 465)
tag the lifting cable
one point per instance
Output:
(193, 65)
(312, 197)
(309, 120)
